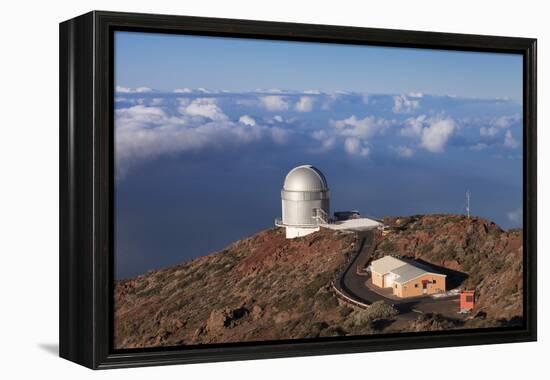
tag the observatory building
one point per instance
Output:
(305, 201)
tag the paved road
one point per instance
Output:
(353, 285)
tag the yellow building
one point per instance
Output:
(407, 279)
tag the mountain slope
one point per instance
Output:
(267, 287)
(262, 287)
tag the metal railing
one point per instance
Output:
(321, 216)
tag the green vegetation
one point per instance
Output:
(326, 300)
(386, 245)
(427, 249)
(320, 279)
(364, 319)
(379, 310)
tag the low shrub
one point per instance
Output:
(377, 311)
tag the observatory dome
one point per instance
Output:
(305, 201)
(305, 178)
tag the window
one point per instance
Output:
(469, 299)
(416, 285)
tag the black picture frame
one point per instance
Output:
(87, 187)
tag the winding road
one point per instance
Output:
(352, 285)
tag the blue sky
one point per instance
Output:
(166, 62)
(207, 128)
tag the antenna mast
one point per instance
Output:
(468, 203)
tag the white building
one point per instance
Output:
(305, 201)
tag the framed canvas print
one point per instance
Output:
(236, 189)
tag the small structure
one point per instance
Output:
(347, 215)
(467, 301)
(406, 279)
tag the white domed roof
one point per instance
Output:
(305, 178)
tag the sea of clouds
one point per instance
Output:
(150, 123)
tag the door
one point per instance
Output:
(387, 280)
(424, 286)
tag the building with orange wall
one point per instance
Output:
(406, 278)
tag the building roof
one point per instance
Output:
(386, 264)
(403, 270)
(305, 178)
(407, 272)
(354, 224)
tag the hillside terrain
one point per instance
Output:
(266, 287)
(488, 259)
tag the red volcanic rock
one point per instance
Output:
(262, 287)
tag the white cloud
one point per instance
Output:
(279, 135)
(413, 126)
(123, 89)
(402, 104)
(328, 144)
(488, 131)
(509, 141)
(274, 90)
(495, 125)
(362, 128)
(183, 90)
(204, 107)
(304, 104)
(140, 114)
(479, 146)
(354, 146)
(433, 133)
(435, 137)
(516, 216)
(129, 90)
(329, 100)
(404, 151)
(506, 121)
(320, 135)
(327, 140)
(145, 132)
(415, 95)
(352, 132)
(247, 120)
(274, 103)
